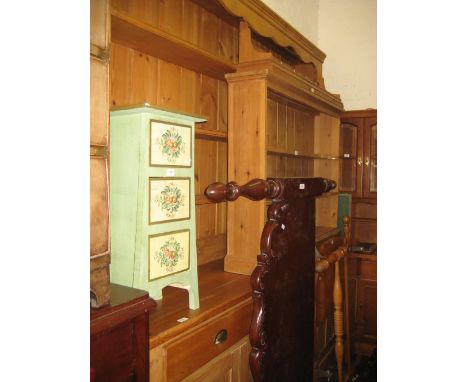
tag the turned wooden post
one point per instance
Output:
(338, 315)
(347, 235)
(321, 266)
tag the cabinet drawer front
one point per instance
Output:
(364, 210)
(368, 270)
(187, 354)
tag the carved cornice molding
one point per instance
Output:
(267, 23)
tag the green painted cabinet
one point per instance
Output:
(152, 201)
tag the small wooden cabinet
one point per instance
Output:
(363, 301)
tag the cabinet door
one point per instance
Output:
(351, 162)
(219, 370)
(370, 158)
(230, 366)
(366, 323)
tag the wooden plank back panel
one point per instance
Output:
(190, 84)
(282, 127)
(327, 135)
(209, 101)
(272, 124)
(327, 208)
(170, 86)
(327, 168)
(188, 21)
(191, 22)
(205, 163)
(144, 77)
(170, 16)
(290, 126)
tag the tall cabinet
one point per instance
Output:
(358, 176)
(358, 170)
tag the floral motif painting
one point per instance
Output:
(171, 144)
(169, 199)
(169, 253)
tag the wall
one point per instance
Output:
(347, 32)
(301, 14)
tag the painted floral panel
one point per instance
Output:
(169, 199)
(169, 253)
(171, 144)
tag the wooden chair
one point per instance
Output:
(329, 295)
(282, 330)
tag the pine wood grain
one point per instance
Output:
(99, 224)
(99, 23)
(99, 102)
(246, 160)
(158, 43)
(209, 101)
(218, 290)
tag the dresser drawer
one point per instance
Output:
(195, 348)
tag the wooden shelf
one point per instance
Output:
(326, 157)
(155, 42)
(211, 134)
(279, 151)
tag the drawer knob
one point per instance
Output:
(220, 337)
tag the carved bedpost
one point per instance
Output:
(282, 330)
(256, 189)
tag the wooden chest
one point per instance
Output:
(119, 336)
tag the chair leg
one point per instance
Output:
(338, 315)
